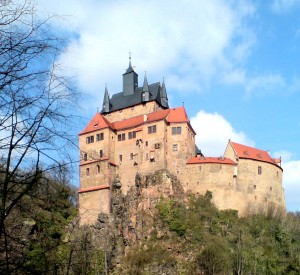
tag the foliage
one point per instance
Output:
(219, 242)
(36, 102)
(36, 232)
(138, 258)
(171, 213)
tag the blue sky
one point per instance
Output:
(234, 64)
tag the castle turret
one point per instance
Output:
(145, 92)
(106, 102)
(163, 95)
(130, 80)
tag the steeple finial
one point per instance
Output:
(129, 60)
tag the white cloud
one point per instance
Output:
(280, 6)
(214, 131)
(291, 184)
(264, 84)
(188, 41)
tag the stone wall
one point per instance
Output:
(179, 147)
(239, 186)
(130, 112)
(93, 203)
(144, 154)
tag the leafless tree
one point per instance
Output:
(36, 102)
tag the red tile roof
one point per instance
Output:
(128, 123)
(247, 152)
(220, 160)
(96, 160)
(175, 115)
(98, 122)
(95, 188)
(158, 115)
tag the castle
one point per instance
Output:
(137, 132)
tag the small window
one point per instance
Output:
(152, 129)
(90, 139)
(175, 147)
(85, 156)
(176, 130)
(254, 186)
(271, 188)
(99, 136)
(120, 158)
(131, 156)
(87, 172)
(146, 143)
(101, 153)
(132, 135)
(259, 170)
(121, 137)
(98, 169)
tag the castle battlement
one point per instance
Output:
(137, 133)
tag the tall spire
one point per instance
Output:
(106, 101)
(145, 92)
(163, 95)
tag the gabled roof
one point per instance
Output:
(201, 160)
(128, 123)
(247, 152)
(158, 115)
(98, 122)
(175, 115)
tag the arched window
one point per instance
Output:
(87, 171)
(97, 169)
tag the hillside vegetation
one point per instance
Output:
(196, 238)
(178, 234)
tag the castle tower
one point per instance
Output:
(130, 80)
